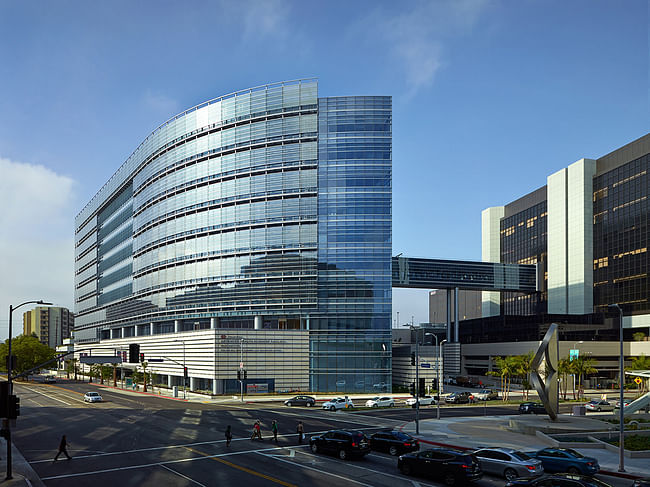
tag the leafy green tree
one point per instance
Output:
(522, 367)
(638, 336)
(582, 366)
(29, 353)
(507, 367)
(564, 369)
(642, 362)
(105, 372)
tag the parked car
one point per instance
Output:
(458, 397)
(626, 403)
(452, 466)
(566, 460)
(558, 480)
(338, 403)
(393, 442)
(300, 401)
(532, 407)
(49, 379)
(644, 482)
(424, 401)
(508, 463)
(92, 397)
(383, 401)
(597, 405)
(344, 443)
(486, 395)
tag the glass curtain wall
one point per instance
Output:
(350, 336)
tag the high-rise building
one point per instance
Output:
(263, 213)
(50, 324)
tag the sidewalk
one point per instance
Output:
(22, 472)
(475, 432)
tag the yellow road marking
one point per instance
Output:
(243, 469)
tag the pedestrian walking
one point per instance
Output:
(63, 449)
(257, 431)
(274, 429)
(228, 435)
(301, 432)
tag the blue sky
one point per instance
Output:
(489, 98)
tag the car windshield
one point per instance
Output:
(594, 402)
(520, 455)
(375, 398)
(573, 453)
(401, 436)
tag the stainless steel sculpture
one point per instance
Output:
(547, 388)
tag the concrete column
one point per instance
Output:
(122, 334)
(177, 326)
(456, 326)
(135, 330)
(214, 323)
(448, 315)
(258, 322)
(169, 381)
(215, 389)
(150, 328)
(192, 384)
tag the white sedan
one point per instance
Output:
(338, 403)
(424, 401)
(383, 402)
(92, 397)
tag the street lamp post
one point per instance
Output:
(184, 368)
(438, 346)
(417, 382)
(241, 369)
(10, 383)
(621, 439)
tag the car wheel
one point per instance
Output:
(510, 474)
(343, 454)
(598, 409)
(375, 405)
(314, 448)
(332, 408)
(450, 479)
(392, 404)
(405, 468)
(573, 470)
(310, 404)
(289, 404)
(393, 450)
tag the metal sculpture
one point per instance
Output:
(547, 386)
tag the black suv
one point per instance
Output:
(452, 466)
(532, 407)
(344, 443)
(393, 442)
(559, 480)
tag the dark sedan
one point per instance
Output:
(300, 401)
(458, 398)
(566, 460)
(343, 443)
(452, 466)
(559, 480)
(532, 408)
(393, 442)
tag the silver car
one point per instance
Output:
(508, 463)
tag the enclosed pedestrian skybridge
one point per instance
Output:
(463, 274)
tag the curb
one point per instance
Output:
(142, 392)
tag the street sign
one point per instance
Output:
(573, 354)
(241, 365)
(425, 366)
(638, 380)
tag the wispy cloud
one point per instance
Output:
(36, 243)
(266, 18)
(162, 106)
(415, 37)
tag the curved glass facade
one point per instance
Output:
(249, 211)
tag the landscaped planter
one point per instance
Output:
(603, 438)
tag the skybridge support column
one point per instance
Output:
(456, 334)
(448, 315)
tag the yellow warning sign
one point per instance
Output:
(638, 380)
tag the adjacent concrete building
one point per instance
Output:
(50, 324)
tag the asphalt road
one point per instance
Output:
(137, 440)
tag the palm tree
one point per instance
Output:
(144, 375)
(507, 367)
(522, 365)
(583, 366)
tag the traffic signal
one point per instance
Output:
(412, 389)
(241, 374)
(141, 357)
(185, 372)
(134, 352)
(245, 374)
(412, 358)
(421, 387)
(4, 393)
(14, 407)
(434, 383)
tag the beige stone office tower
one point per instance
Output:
(50, 324)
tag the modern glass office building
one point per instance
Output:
(269, 208)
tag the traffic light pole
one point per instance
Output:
(417, 385)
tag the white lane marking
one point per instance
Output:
(184, 476)
(157, 464)
(185, 445)
(274, 457)
(363, 468)
(46, 395)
